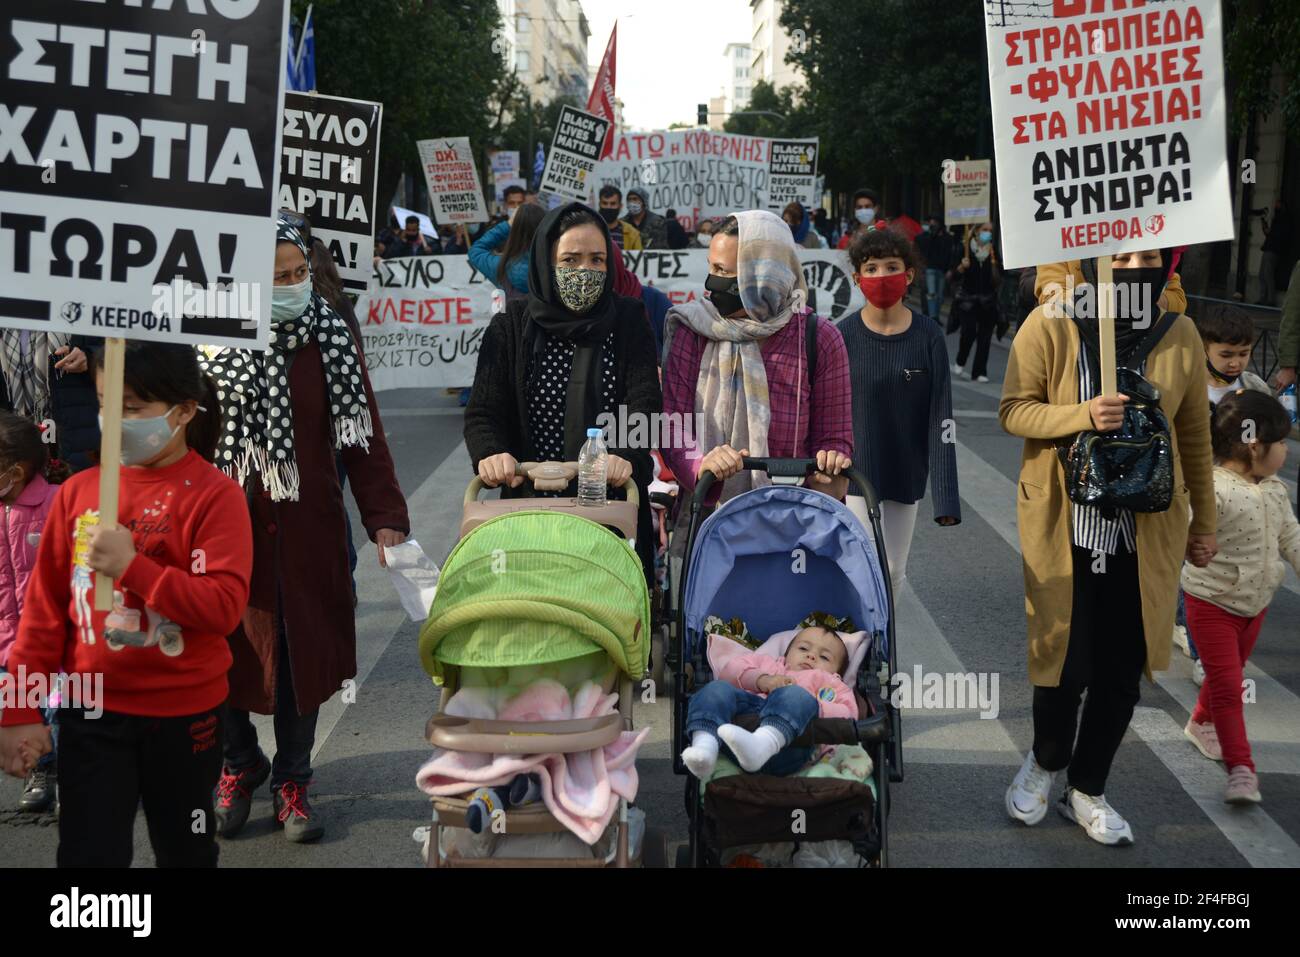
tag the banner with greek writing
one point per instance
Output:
(966, 191)
(702, 173)
(1109, 122)
(452, 179)
(423, 319)
(139, 167)
(575, 150)
(328, 166)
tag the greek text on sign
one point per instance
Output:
(575, 150)
(140, 168)
(328, 166)
(452, 179)
(1109, 122)
(966, 190)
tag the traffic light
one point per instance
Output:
(703, 119)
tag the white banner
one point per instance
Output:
(792, 174)
(452, 178)
(328, 167)
(139, 163)
(423, 319)
(1109, 121)
(966, 192)
(575, 152)
(504, 162)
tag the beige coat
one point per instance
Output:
(1256, 523)
(1040, 403)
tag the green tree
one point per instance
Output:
(1262, 38)
(756, 119)
(436, 65)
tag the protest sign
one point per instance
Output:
(503, 184)
(504, 163)
(423, 319)
(426, 224)
(1109, 124)
(139, 166)
(452, 178)
(575, 151)
(792, 174)
(328, 165)
(966, 192)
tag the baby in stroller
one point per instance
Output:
(787, 693)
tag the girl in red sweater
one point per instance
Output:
(147, 680)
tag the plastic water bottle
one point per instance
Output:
(593, 469)
(1287, 398)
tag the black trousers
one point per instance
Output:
(111, 764)
(1105, 657)
(977, 323)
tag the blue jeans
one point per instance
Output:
(1181, 619)
(934, 290)
(787, 709)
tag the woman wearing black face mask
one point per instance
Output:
(739, 358)
(1100, 586)
(553, 364)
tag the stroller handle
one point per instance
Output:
(525, 469)
(785, 468)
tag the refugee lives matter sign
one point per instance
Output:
(792, 173)
(139, 156)
(452, 180)
(1109, 123)
(328, 163)
(575, 151)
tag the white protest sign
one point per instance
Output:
(504, 184)
(329, 161)
(139, 162)
(575, 153)
(966, 192)
(792, 174)
(504, 162)
(452, 178)
(1109, 120)
(423, 319)
(426, 224)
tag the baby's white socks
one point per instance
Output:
(702, 756)
(753, 749)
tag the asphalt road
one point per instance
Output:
(962, 610)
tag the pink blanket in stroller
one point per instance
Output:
(581, 790)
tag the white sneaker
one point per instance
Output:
(981, 378)
(1180, 640)
(958, 370)
(1027, 796)
(1095, 815)
(1198, 673)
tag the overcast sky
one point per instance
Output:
(669, 53)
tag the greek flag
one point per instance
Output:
(539, 164)
(300, 57)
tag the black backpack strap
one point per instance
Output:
(810, 347)
(1135, 359)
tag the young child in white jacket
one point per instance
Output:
(1227, 599)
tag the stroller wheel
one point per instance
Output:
(658, 673)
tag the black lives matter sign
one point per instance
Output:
(792, 173)
(138, 166)
(328, 161)
(575, 151)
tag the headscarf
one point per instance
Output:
(257, 407)
(731, 390)
(1127, 335)
(548, 314)
(27, 375)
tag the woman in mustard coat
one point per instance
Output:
(1100, 589)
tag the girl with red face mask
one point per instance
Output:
(902, 397)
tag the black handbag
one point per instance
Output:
(1133, 466)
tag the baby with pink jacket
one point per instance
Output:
(786, 692)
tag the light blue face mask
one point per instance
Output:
(290, 302)
(143, 439)
(986, 237)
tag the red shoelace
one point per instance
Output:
(294, 798)
(228, 785)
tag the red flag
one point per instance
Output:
(601, 101)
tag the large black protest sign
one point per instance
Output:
(329, 157)
(792, 173)
(575, 151)
(138, 167)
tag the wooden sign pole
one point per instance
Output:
(110, 455)
(1106, 324)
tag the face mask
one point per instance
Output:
(579, 289)
(925, 227)
(724, 293)
(8, 488)
(981, 252)
(883, 291)
(510, 214)
(290, 302)
(142, 439)
(634, 209)
(864, 216)
(1214, 374)
(1138, 300)
(986, 237)
(704, 239)
(610, 216)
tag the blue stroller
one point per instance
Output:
(742, 563)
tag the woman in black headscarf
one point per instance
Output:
(552, 364)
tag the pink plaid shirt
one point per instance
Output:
(830, 428)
